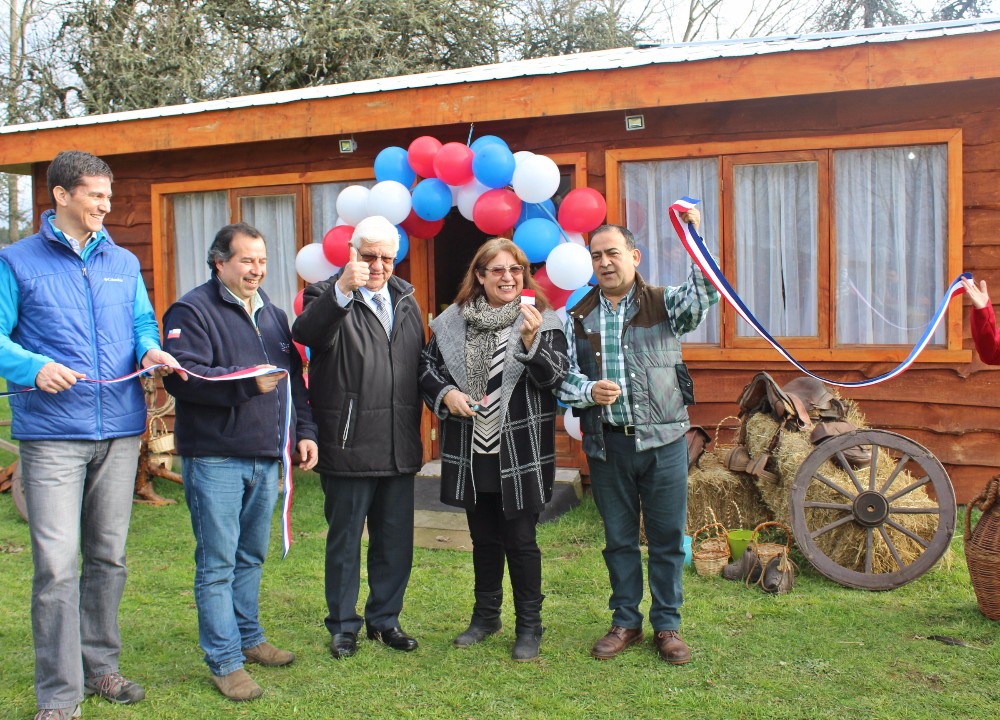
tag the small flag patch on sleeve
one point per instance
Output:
(174, 333)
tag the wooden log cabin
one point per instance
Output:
(846, 179)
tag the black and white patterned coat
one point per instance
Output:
(527, 445)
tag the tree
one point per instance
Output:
(959, 9)
(848, 14)
(542, 28)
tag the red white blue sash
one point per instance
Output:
(700, 254)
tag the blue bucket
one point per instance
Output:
(687, 550)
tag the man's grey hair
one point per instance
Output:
(621, 230)
(376, 229)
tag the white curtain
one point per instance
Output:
(775, 230)
(891, 219)
(274, 216)
(323, 199)
(197, 218)
(649, 189)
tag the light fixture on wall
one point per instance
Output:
(347, 145)
(635, 122)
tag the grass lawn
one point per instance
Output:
(823, 651)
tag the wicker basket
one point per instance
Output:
(160, 440)
(767, 551)
(711, 552)
(982, 549)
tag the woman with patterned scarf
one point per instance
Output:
(489, 372)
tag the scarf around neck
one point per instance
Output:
(482, 321)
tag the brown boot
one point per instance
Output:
(617, 639)
(237, 686)
(266, 654)
(672, 649)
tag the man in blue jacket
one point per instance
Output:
(73, 309)
(230, 434)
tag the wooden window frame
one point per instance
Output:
(757, 351)
(164, 279)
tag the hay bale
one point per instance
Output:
(844, 545)
(732, 497)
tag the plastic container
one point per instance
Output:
(687, 550)
(738, 540)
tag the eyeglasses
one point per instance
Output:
(386, 260)
(499, 271)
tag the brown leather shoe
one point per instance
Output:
(617, 639)
(237, 686)
(266, 654)
(672, 649)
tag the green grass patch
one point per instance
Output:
(823, 651)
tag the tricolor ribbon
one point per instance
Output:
(700, 254)
(286, 459)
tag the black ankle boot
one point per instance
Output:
(485, 619)
(529, 629)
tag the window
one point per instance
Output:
(837, 247)
(288, 216)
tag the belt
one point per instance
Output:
(623, 429)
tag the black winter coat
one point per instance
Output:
(362, 386)
(527, 445)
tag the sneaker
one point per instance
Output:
(59, 714)
(115, 688)
(237, 686)
(266, 654)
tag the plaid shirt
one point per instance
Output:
(686, 306)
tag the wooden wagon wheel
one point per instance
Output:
(871, 504)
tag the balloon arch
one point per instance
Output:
(492, 187)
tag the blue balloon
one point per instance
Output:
(537, 237)
(493, 165)
(404, 245)
(485, 140)
(577, 296)
(536, 210)
(431, 199)
(393, 164)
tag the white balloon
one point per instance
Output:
(352, 204)
(454, 194)
(568, 266)
(311, 264)
(536, 179)
(391, 200)
(521, 155)
(467, 196)
(576, 238)
(572, 424)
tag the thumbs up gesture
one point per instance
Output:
(355, 273)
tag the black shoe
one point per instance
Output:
(394, 638)
(344, 644)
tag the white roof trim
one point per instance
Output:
(581, 62)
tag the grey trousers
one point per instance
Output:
(79, 499)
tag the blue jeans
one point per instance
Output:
(656, 479)
(231, 500)
(79, 499)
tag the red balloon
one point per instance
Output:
(416, 226)
(453, 163)
(302, 350)
(336, 244)
(496, 211)
(582, 210)
(556, 295)
(298, 301)
(421, 155)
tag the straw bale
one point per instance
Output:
(844, 545)
(732, 497)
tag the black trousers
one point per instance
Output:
(387, 504)
(496, 538)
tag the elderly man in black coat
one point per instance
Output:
(365, 335)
